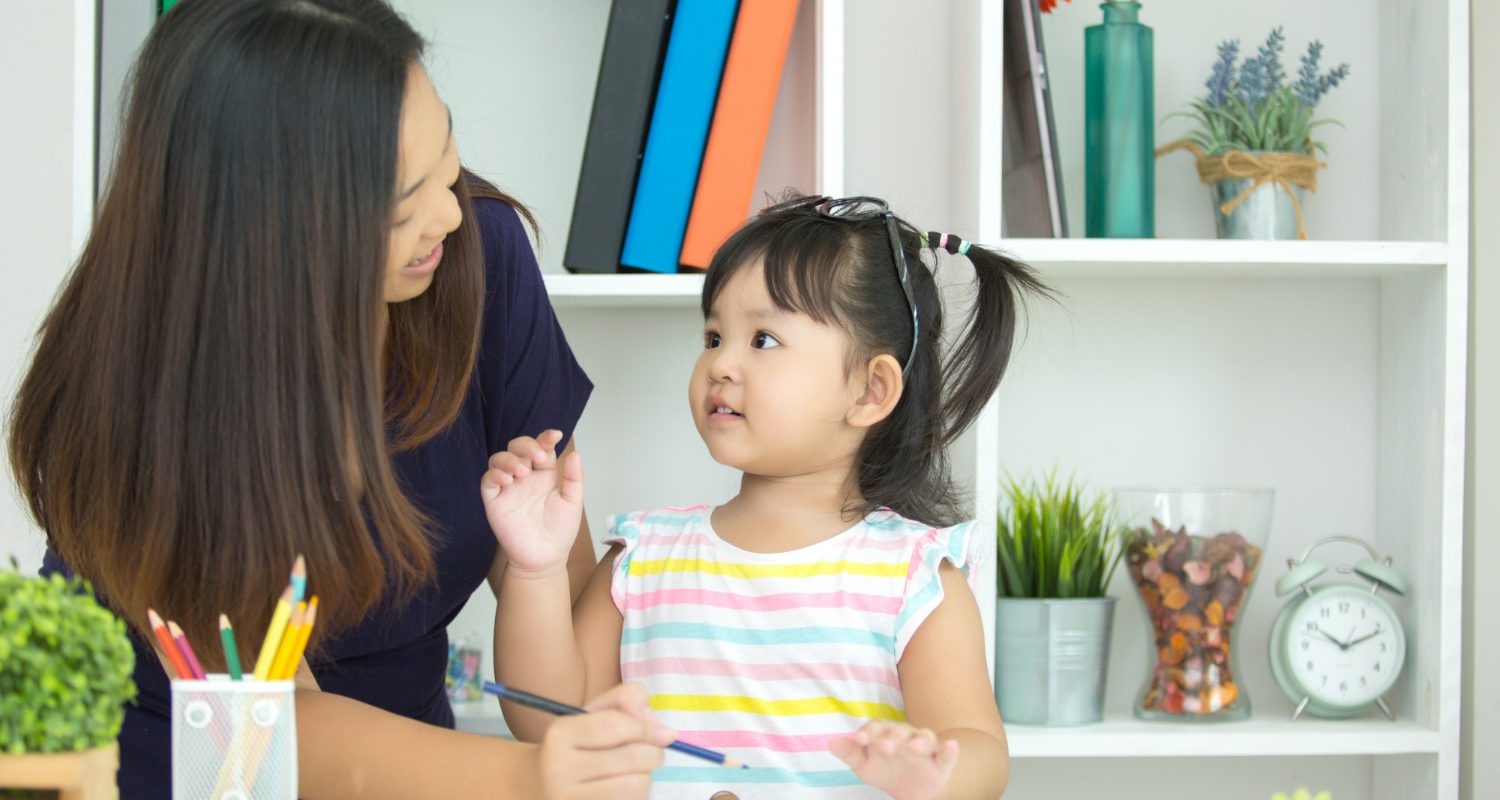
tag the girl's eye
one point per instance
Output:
(399, 223)
(710, 340)
(765, 341)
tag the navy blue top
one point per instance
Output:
(526, 380)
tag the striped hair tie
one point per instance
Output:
(952, 244)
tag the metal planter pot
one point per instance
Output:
(1267, 213)
(1051, 659)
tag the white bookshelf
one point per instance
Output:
(1332, 370)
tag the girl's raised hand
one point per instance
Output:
(908, 763)
(606, 754)
(534, 502)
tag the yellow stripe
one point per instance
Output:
(776, 708)
(702, 567)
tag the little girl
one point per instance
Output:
(818, 626)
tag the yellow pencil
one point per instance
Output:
(272, 641)
(288, 641)
(304, 632)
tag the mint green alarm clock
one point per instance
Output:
(1337, 648)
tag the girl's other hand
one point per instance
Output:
(908, 763)
(606, 754)
(534, 503)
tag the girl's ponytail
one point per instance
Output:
(973, 368)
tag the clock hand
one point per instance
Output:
(1346, 643)
(1326, 635)
(1366, 637)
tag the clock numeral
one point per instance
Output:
(1325, 680)
(1312, 627)
(1325, 613)
(1343, 686)
(1309, 666)
(1382, 647)
(1362, 681)
(1377, 666)
(1362, 613)
(1305, 644)
(1343, 606)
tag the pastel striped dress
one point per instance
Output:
(768, 656)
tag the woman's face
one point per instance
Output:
(426, 210)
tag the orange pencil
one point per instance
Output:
(300, 646)
(164, 638)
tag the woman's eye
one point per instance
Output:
(402, 222)
(765, 341)
(710, 340)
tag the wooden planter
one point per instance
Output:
(88, 775)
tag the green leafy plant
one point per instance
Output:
(1250, 107)
(65, 667)
(1054, 542)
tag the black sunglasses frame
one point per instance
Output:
(851, 209)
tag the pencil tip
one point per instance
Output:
(299, 567)
(175, 629)
(223, 621)
(154, 617)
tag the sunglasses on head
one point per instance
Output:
(861, 209)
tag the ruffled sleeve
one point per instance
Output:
(924, 587)
(624, 529)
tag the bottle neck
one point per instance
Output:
(1120, 12)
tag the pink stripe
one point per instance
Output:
(699, 539)
(636, 670)
(807, 743)
(770, 602)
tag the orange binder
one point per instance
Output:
(742, 118)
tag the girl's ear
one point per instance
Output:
(882, 382)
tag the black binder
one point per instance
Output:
(634, 47)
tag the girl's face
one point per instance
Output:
(769, 394)
(426, 209)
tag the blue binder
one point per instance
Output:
(679, 128)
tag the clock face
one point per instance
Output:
(1344, 646)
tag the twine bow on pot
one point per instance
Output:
(1285, 169)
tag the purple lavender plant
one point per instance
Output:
(1251, 107)
(1222, 78)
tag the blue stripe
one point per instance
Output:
(955, 547)
(768, 636)
(723, 776)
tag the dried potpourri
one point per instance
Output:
(1194, 588)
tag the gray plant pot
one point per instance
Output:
(1267, 213)
(1051, 659)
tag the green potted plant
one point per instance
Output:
(65, 675)
(1253, 139)
(1057, 549)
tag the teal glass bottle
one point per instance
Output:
(1120, 190)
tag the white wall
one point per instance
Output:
(46, 156)
(1481, 726)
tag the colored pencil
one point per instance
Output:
(562, 709)
(299, 579)
(269, 645)
(303, 634)
(164, 638)
(187, 650)
(288, 642)
(231, 650)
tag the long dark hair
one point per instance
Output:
(839, 272)
(206, 399)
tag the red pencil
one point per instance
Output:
(187, 650)
(164, 638)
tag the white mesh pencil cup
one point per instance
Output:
(234, 740)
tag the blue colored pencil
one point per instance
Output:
(564, 710)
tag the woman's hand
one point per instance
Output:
(608, 753)
(533, 502)
(908, 763)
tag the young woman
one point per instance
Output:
(297, 327)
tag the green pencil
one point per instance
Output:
(231, 652)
